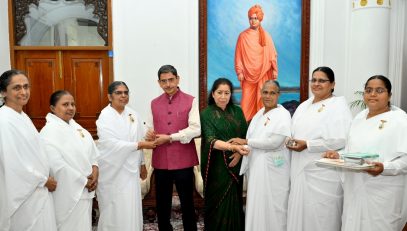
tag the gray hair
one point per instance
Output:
(268, 82)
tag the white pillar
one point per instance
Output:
(396, 59)
(404, 72)
(369, 42)
(317, 31)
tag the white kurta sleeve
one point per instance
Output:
(321, 145)
(395, 167)
(108, 138)
(194, 126)
(140, 132)
(113, 150)
(95, 155)
(149, 121)
(120, 145)
(272, 142)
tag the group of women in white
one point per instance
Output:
(48, 179)
(287, 190)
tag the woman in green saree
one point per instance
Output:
(221, 160)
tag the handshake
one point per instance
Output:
(152, 140)
(238, 145)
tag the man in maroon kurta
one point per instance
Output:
(174, 124)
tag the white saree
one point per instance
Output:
(316, 196)
(268, 170)
(377, 203)
(72, 153)
(119, 193)
(25, 203)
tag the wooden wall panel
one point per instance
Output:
(43, 71)
(87, 79)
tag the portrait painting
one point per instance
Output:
(287, 23)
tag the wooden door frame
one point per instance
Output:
(14, 47)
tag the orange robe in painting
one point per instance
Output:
(258, 64)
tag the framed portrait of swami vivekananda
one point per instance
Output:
(221, 51)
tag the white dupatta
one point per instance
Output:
(24, 169)
(118, 137)
(263, 126)
(71, 152)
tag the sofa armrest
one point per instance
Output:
(146, 184)
(197, 169)
(198, 181)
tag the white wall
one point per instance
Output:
(329, 37)
(4, 38)
(149, 34)
(404, 72)
(333, 39)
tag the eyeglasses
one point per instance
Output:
(378, 90)
(319, 80)
(272, 93)
(121, 93)
(253, 18)
(169, 80)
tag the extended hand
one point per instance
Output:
(331, 154)
(146, 144)
(300, 145)
(242, 150)
(235, 159)
(237, 141)
(162, 139)
(150, 135)
(51, 184)
(376, 170)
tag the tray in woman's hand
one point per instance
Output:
(340, 163)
